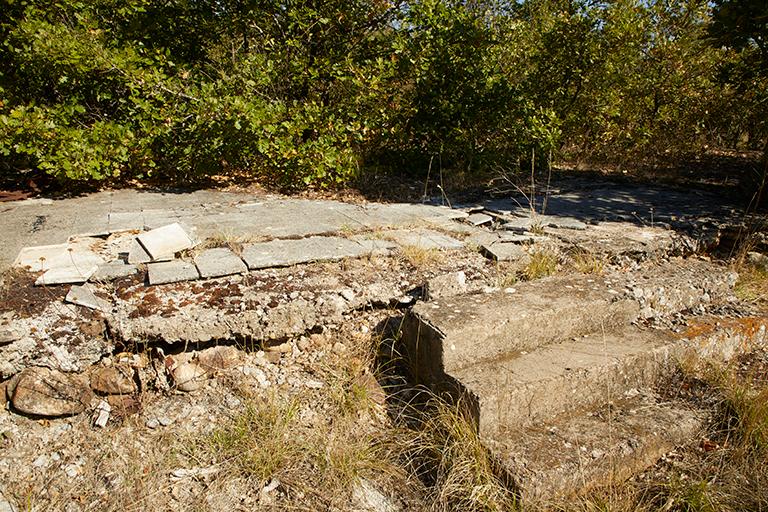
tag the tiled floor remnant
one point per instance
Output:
(166, 240)
(283, 253)
(219, 262)
(171, 272)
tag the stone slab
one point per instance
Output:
(574, 455)
(219, 262)
(125, 221)
(528, 387)
(76, 253)
(137, 255)
(113, 270)
(375, 246)
(479, 219)
(84, 296)
(531, 223)
(166, 240)
(67, 275)
(424, 239)
(172, 272)
(446, 335)
(284, 253)
(504, 251)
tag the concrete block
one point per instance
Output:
(572, 455)
(172, 272)
(219, 262)
(66, 275)
(138, 255)
(166, 240)
(479, 219)
(113, 270)
(504, 251)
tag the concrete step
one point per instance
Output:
(595, 447)
(526, 388)
(443, 336)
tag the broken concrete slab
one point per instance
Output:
(137, 255)
(535, 222)
(479, 219)
(424, 239)
(446, 285)
(610, 443)
(284, 253)
(374, 246)
(504, 251)
(79, 253)
(219, 262)
(113, 270)
(67, 275)
(9, 334)
(449, 334)
(165, 240)
(171, 272)
(524, 387)
(84, 296)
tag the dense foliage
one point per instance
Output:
(310, 93)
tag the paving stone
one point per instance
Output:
(77, 253)
(113, 270)
(219, 262)
(84, 296)
(67, 275)
(482, 238)
(166, 240)
(479, 219)
(125, 221)
(376, 246)
(524, 224)
(516, 238)
(504, 251)
(283, 253)
(138, 255)
(424, 239)
(172, 272)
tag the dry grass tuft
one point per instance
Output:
(752, 285)
(421, 258)
(446, 449)
(588, 263)
(543, 263)
(227, 240)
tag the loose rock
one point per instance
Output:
(219, 358)
(114, 380)
(189, 376)
(49, 393)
